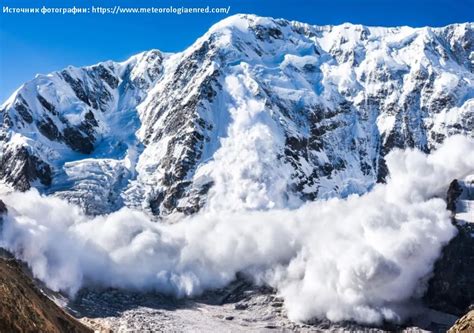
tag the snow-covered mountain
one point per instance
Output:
(264, 112)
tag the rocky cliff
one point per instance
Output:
(317, 106)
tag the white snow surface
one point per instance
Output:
(341, 91)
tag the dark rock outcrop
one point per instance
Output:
(3, 208)
(334, 112)
(451, 287)
(20, 168)
(454, 191)
(3, 211)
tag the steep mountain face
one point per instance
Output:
(450, 288)
(72, 132)
(23, 306)
(264, 112)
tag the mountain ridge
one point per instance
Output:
(324, 105)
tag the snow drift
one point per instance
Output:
(358, 258)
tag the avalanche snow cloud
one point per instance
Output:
(358, 258)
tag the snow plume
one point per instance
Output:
(362, 258)
(257, 178)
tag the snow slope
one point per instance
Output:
(267, 112)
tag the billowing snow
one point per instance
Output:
(361, 258)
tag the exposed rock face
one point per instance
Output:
(334, 100)
(3, 211)
(58, 119)
(454, 191)
(20, 168)
(450, 290)
(24, 308)
(3, 208)
(465, 324)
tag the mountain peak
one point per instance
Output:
(146, 132)
(242, 22)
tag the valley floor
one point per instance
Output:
(241, 307)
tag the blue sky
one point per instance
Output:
(31, 44)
